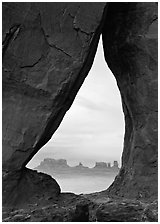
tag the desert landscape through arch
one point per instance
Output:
(91, 131)
(40, 83)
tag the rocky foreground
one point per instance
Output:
(95, 207)
(37, 201)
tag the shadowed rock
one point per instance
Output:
(27, 186)
(47, 55)
(130, 45)
(48, 50)
(130, 211)
(81, 213)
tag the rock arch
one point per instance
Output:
(48, 50)
(130, 46)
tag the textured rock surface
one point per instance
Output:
(81, 213)
(130, 45)
(21, 188)
(48, 49)
(67, 208)
(70, 208)
(125, 211)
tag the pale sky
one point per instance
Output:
(93, 128)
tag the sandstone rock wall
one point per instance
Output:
(130, 45)
(26, 187)
(48, 50)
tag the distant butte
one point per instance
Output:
(53, 166)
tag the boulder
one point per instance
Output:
(21, 188)
(81, 213)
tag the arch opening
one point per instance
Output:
(91, 134)
(37, 93)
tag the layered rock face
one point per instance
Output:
(130, 46)
(48, 50)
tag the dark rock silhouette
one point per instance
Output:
(81, 213)
(130, 46)
(48, 50)
(18, 191)
(47, 55)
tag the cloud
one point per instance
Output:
(87, 103)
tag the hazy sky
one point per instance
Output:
(93, 128)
